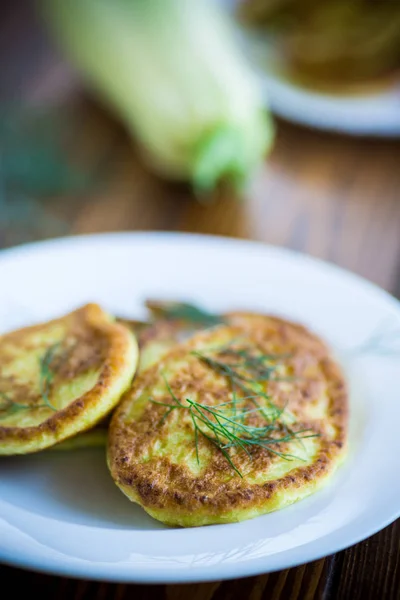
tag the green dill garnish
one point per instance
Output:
(47, 373)
(8, 406)
(251, 369)
(176, 311)
(224, 425)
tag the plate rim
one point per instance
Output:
(217, 571)
(295, 254)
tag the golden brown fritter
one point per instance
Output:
(154, 339)
(62, 377)
(186, 478)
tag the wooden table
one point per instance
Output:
(333, 197)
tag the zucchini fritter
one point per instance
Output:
(61, 378)
(240, 420)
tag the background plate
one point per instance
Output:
(373, 114)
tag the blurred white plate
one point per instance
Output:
(375, 114)
(62, 513)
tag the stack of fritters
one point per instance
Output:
(219, 418)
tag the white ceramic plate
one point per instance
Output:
(61, 513)
(374, 114)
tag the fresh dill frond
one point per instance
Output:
(47, 372)
(246, 375)
(177, 311)
(225, 425)
(8, 406)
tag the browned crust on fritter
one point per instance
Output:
(171, 486)
(115, 340)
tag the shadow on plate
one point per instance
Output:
(75, 487)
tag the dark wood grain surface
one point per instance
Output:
(333, 197)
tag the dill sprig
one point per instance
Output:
(224, 425)
(248, 374)
(176, 311)
(8, 406)
(47, 373)
(46, 376)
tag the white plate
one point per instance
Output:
(63, 514)
(374, 114)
